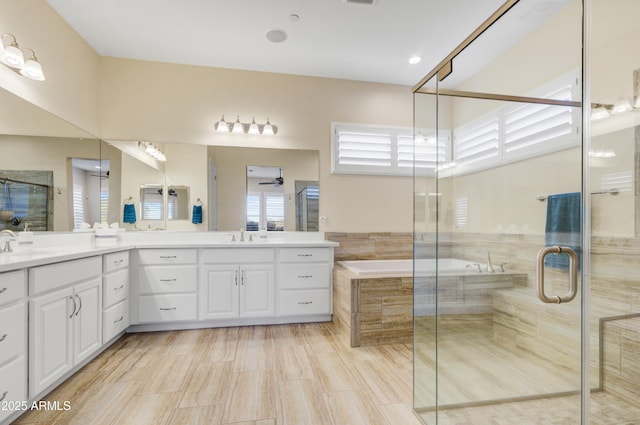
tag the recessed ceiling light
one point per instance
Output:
(276, 36)
(414, 60)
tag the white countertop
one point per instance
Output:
(52, 247)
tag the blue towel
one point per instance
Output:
(196, 216)
(564, 217)
(129, 214)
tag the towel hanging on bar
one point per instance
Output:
(563, 226)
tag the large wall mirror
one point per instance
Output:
(73, 179)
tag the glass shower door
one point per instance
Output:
(498, 319)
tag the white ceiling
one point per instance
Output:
(331, 38)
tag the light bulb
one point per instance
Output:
(253, 128)
(237, 126)
(268, 129)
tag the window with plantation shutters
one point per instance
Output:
(368, 150)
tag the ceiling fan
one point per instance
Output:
(277, 181)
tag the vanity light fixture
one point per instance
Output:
(151, 150)
(238, 127)
(12, 56)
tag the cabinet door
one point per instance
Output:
(257, 292)
(50, 338)
(221, 287)
(87, 319)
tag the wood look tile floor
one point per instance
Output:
(306, 374)
(258, 375)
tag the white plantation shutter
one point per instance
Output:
(368, 149)
(274, 203)
(477, 142)
(426, 153)
(78, 205)
(533, 128)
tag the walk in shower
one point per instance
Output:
(527, 148)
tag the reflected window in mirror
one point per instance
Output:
(87, 177)
(152, 202)
(265, 198)
(178, 203)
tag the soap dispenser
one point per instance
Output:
(25, 238)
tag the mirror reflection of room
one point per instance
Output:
(265, 198)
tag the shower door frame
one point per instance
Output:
(442, 70)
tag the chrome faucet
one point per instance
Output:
(241, 234)
(7, 244)
(489, 265)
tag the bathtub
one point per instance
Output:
(404, 268)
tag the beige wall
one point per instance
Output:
(136, 100)
(71, 67)
(176, 103)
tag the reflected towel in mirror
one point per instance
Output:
(129, 215)
(196, 216)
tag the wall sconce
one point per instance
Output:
(238, 127)
(12, 56)
(151, 150)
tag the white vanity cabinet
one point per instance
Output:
(237, 283)
(13, 340)
(115, 294)
(65, 318)
(167, 285)
(305, 281)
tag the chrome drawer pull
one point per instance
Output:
(168, 280)
(2, 290)
(119, 288)
(3, 337)
(4, 394)
(119, 320)
(74, 307)
(167, 309)
(166, 257)
(306, 276)
(305, 302)
(305, 255)
(118, 261)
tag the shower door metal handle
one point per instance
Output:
(573, 274)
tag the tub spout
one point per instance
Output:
(489, 265)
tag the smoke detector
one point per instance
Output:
(367, 2)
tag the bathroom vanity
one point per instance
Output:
(70, 297)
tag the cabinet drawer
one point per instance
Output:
(12, 286)
(13, 386)
(116, 261)
(54, 276)
(160, 280)
(115, 320)
(168, 256)
(238, 255)
(13, 329)
(305, 255)
(303, 302)
(304, 276)
(168, 308)
(115, 287)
